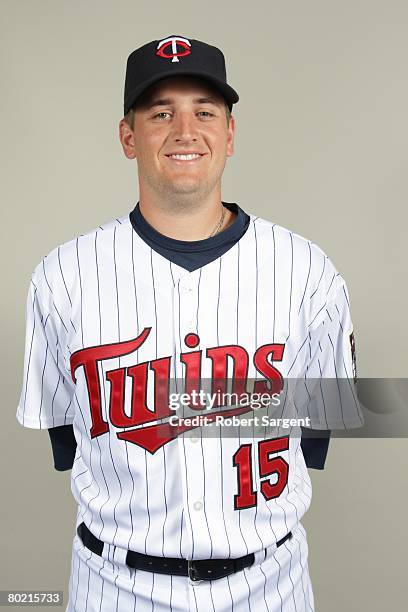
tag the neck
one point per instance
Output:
(186, 220)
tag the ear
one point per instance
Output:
(127, 139)
(230, 137)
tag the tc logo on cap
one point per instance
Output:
(173, 41)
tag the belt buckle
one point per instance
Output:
(192, 571)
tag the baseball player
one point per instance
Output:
(186, 287)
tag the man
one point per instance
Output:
(186, 288)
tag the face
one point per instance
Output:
(183, 115)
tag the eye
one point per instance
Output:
(206, 113)
(161, 113)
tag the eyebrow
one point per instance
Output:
(167, 101)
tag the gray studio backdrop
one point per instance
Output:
(320, 149)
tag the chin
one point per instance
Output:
(185, 187)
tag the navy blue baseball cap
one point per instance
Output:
(173, 56)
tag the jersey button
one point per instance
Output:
(193, 439)
(198, 505)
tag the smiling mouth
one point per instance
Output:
(186, 159)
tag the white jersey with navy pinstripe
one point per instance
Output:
(107, 317)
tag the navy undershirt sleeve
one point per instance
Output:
(63, 446)
(315, 445)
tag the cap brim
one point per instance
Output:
(226, 90)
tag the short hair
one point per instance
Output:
(144, 99)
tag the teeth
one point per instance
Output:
(186, 157)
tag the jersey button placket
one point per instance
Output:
(188, 306)
(190, 451)
(193, 491)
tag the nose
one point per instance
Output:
(184, 127)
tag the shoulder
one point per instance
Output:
(281, 233)
(312, 269)
(57, 271)
(301, 247)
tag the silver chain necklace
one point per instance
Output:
(219, 224)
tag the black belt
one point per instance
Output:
(200, 569)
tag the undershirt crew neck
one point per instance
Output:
(191, 254)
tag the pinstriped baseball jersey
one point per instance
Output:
(108, 318)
